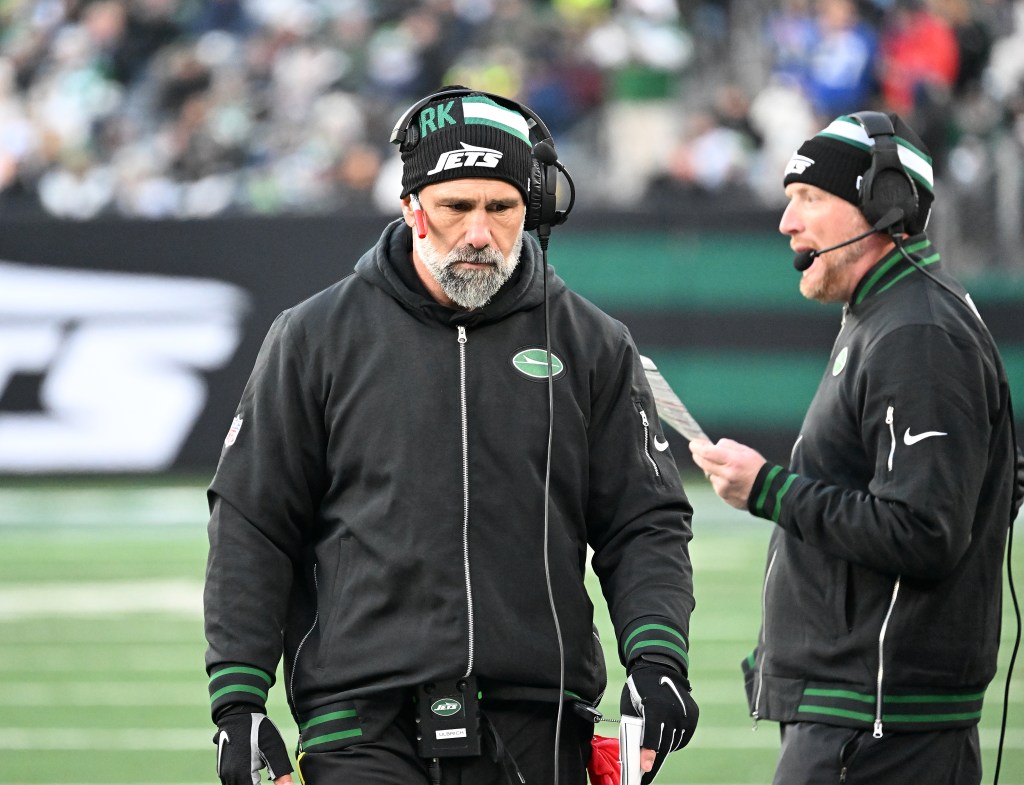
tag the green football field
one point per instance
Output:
(101, 642)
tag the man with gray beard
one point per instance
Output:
(421, 461)
(466, 276)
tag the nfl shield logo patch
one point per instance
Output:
(236, 426)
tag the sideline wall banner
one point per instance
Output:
(125, 345)
(103, 371)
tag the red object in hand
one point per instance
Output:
(603, 767)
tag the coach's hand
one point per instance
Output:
(246, 742)
(732, 468)
(660, 695)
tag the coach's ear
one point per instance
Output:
(407, 212)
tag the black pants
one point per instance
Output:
(816, 754)
(386, 753)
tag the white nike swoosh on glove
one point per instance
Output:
(222, 739)
(672, 686)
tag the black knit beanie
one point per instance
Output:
(466, 136)
(836, 158)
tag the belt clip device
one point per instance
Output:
(448, 718)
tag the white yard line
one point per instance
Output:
(104, 694)
(107, 740)
(100, 598)
(108, 506)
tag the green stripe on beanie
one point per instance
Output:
(836, 157)
(915, 160)
(478, 109)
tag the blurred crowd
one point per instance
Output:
(164, 108)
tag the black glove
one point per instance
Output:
(245, 744)
(660, 694)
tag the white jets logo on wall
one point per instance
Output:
(113, 362)
(470, 155)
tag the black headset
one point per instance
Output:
(541, 206)
(886, 184)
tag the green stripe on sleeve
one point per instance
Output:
(777, 510)
(648, 627)
(238, 688)
(759, 505)
(664, 645)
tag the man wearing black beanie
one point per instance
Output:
(407, 495)
(882, 594)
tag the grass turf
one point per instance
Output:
(101, 643)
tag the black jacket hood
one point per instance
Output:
(388, 266)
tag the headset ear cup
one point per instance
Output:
(886, 184)
(886, 189)
(535, 199)
(541, 206)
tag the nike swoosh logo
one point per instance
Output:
(222, 739)
(671, 685)
(910, 440)
(660, 444)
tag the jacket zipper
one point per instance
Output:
(892, 434)
(764, 637)
(465, 493)
(298, 651)
(881, 660)
(647, 439)
(842, 325)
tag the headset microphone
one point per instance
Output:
(805, 259)
(545, 153)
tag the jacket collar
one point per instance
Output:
(388, 266)
(894, 267)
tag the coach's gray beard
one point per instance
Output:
(469, 288)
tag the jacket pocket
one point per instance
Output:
(648, 437)
(848, 754)
(331, 592)
(836, 599)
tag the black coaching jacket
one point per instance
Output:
(882, 595)
(378, 512)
